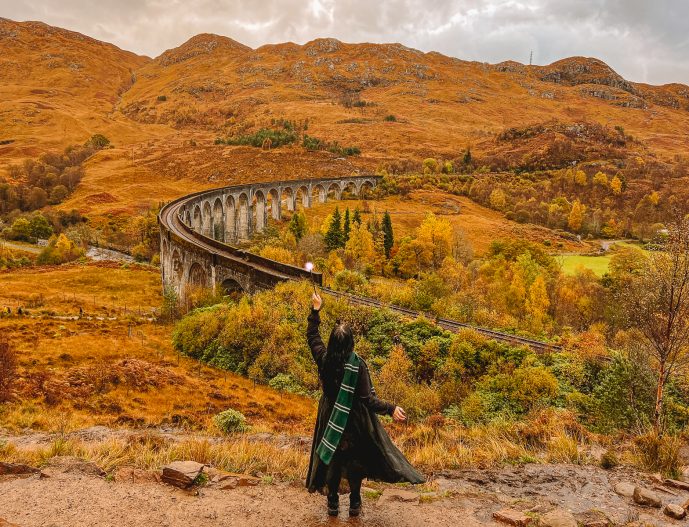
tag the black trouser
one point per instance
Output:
(342, 460)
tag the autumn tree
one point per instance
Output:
(359, 248)
(435, 235)
(616, 185)
(657, 303)
(600, 179)
(576, 216)
(497, 199)
(538, 303)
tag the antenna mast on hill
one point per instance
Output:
(531, 58)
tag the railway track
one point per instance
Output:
(450, 325)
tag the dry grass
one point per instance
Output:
(152, 452)
(117, 369)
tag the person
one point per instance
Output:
(347, 416)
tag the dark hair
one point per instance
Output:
(340, 345)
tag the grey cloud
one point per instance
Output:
(644, 41)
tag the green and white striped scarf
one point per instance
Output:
(338, 419)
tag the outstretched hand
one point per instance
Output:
(398, 414)
(317, 301)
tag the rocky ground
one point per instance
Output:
(69, 492)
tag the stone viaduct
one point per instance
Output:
(197, 232)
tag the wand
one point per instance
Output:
(309, 268)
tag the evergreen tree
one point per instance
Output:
(356, 218)
(466, 160)
(334, 238)
(389, 238)
(297, 225)
(346, 227)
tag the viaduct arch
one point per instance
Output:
(198, 232)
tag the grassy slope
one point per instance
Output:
(479, 225)
(48, 344)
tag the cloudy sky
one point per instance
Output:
(644, 40)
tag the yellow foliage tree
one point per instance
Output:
(497, 199)
(538, 303)
(516, 294)
(334, 264)
(600, 179)
(436, 236)
(616, 186)
(359, 249)
(580, 178)
(576, 216)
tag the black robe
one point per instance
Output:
(365, 439)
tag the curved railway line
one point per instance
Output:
(189, 257)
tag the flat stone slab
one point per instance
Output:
(182, 474)
(512, 517)
(682, 485)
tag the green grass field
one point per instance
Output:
(597, 264)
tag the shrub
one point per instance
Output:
(284, 382)
(97, 141)
(162, 98)
(391, 118)
(8, 370)
(59, 250)
(430, 166)
(230, 421)
(609, 460)
(658, 453)
(276, 138)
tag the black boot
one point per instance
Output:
(333, 505)
(354, 505)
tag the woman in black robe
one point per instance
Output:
(365, 449)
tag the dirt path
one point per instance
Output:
(74, 500)
(73, 496)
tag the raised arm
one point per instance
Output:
(313, 335)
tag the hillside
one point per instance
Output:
(396, 104)
(442, 104)
(58, 87)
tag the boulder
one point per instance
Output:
(646, 497)
(675, 511)
(182, 474)
(624, 488)
(16, 469)
(406, 496)
(512, 517)
(558, 518)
